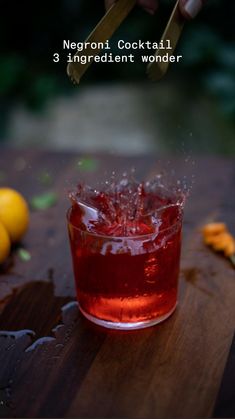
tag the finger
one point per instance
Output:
(149, 5)
(190, 8)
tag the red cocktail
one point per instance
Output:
(126, 251)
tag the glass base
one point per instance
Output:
(128, 326)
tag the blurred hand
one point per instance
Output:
(189, 8)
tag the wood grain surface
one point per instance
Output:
(225, 404)
(54, 363)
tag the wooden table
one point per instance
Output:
(54, 363)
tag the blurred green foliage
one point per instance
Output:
(32, 31)
(211, 56)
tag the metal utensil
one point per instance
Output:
(158, 69)
(102, 32)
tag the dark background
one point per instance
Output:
(32, 31)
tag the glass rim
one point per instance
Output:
(134, 237)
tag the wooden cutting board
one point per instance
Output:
(172, 370)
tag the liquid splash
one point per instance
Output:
(17, 334)
(70, 312)
(40, 342)
(125, 207)
(19, 349)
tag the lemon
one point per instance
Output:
(14, 213)
(5, 244)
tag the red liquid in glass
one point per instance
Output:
(126, 271)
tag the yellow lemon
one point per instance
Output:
(14, 213)
(5, 244)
